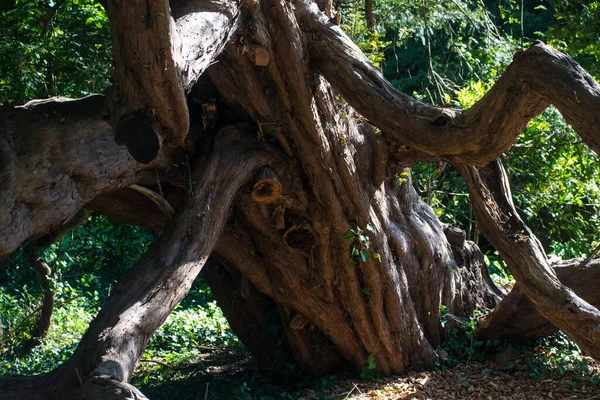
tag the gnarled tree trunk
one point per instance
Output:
(307, 210)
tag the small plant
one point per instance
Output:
(369, 371)
(361, 249)
(461, 344)
(401, 177)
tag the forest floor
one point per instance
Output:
(485, 381)
(229, 374)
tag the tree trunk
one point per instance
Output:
(339, 176)
(316, 234)
(369, 17)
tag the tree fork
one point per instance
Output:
(156, 65)
(474, 136)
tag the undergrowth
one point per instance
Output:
(554, 355)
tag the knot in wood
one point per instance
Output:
(267, 189)
(442, 120)
(300, 238)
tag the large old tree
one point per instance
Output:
(285, 155)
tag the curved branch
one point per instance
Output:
(537, 77)
(204, 28)
(502, 226)
(156, 198)
(143, 299)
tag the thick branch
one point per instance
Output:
(537, 77)
(142, 301)
(205, 27)
(501, 225)
(157, 60)
(56, 155)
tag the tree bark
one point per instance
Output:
(369, 16)
(42, 324)
(474, 136)
(517, 318)
(56, 155)
(339, 176)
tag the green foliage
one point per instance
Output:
(559, 354)
(70, 55)
(554, 177)
(89, 259)
(369, 371)
(187, 328)
(85, 265)
(360, 250)
(555, 354)
(69, 321)
(371, 43)
(498, 269)
(461, 344)
(555, 180)
(576, 31)
(439, 46)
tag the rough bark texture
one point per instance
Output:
(334, 244)
(55, 156)
(369, 17)
(538, 77)
(343, 179)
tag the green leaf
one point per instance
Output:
(377, 256)
(364, 256)
(348, 235)
(351, 262)
(371, 363)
